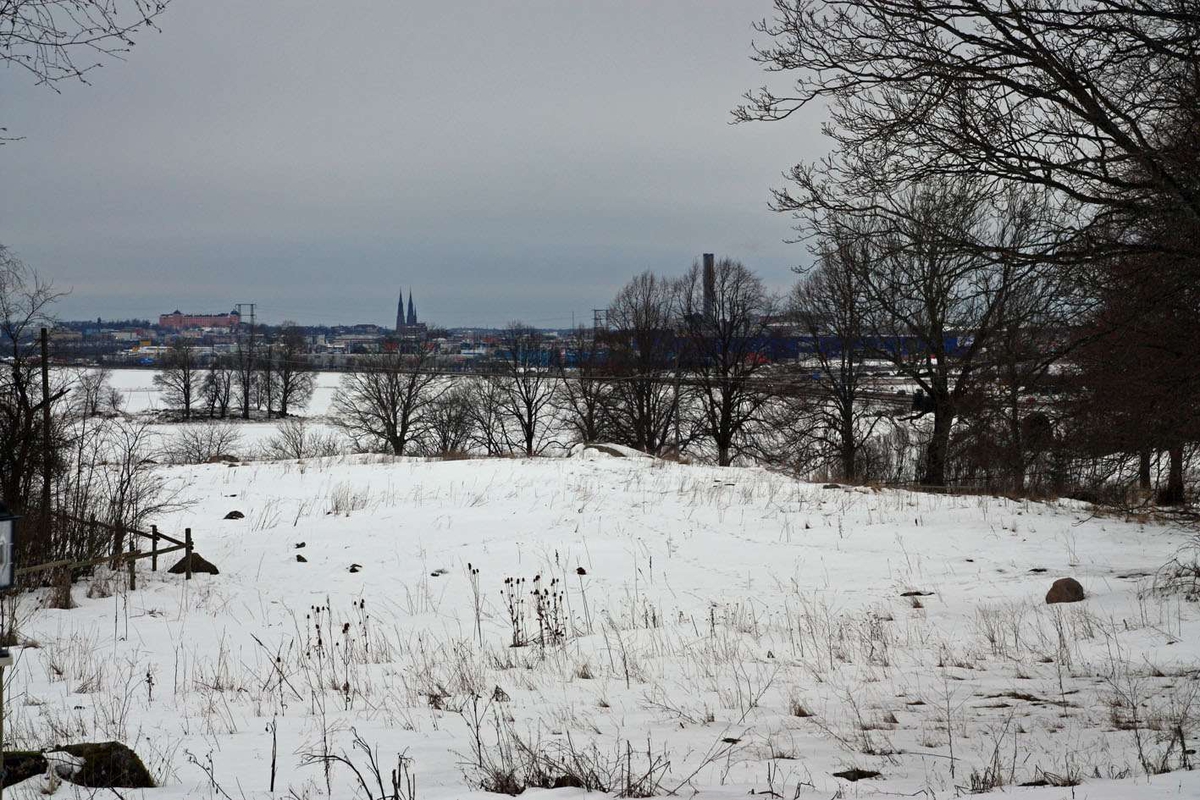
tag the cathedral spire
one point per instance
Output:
(400, 311)
(412, 309)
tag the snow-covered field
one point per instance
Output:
(726, 631)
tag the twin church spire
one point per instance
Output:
(406, 320)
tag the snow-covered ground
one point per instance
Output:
(727, 631)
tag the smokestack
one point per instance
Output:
(710, 286)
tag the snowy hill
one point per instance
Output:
(721, 630)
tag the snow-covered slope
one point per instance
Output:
(721, 630)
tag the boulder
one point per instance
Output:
(301, 559)
(1065, 590)
(21, 765)
(198, 565)
(235, 515)
(109, 765)
(97, 765)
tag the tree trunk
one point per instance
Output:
(939, 447)
(1016, 463)
(849, 457)
(1144, 470)
(846, 432)
(1172, 495)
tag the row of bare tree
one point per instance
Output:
(624, 384)
(270, 377)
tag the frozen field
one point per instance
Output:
(717, 631)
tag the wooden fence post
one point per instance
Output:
(154, 548)
(187, 553)
(62, 581)
(118, 545)
(132, 565)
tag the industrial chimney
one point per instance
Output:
(710, 286)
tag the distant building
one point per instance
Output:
(407, 323)
(179, 321)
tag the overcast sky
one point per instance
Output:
(504, 159)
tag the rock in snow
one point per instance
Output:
(1065, 590)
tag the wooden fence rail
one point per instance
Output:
(119, 554)
(113, 528)
(133, 555)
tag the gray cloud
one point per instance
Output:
(505, 159)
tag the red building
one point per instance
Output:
(180, 321)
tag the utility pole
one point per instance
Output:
(46, 444)
(247, 367)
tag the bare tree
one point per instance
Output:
(46, 37)
(485, 405)
(450, 423)
(110, 474)
(134, 490)
(203, 442)
(92, 393)
(25, 454)
(1062, 97)
(938, 288)
(526, 386)
(643, 354)
(585, 396)
(727, 324)
(296, 439)
(56, 40)
(829, 305)
(383, 403)
(296, 380)
(245, 374)
(1005, 434)
(216, 388)
(267, 379)
(88, 464)
(179, 380)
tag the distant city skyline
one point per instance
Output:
(512, 160)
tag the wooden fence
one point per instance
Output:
(123, 550)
